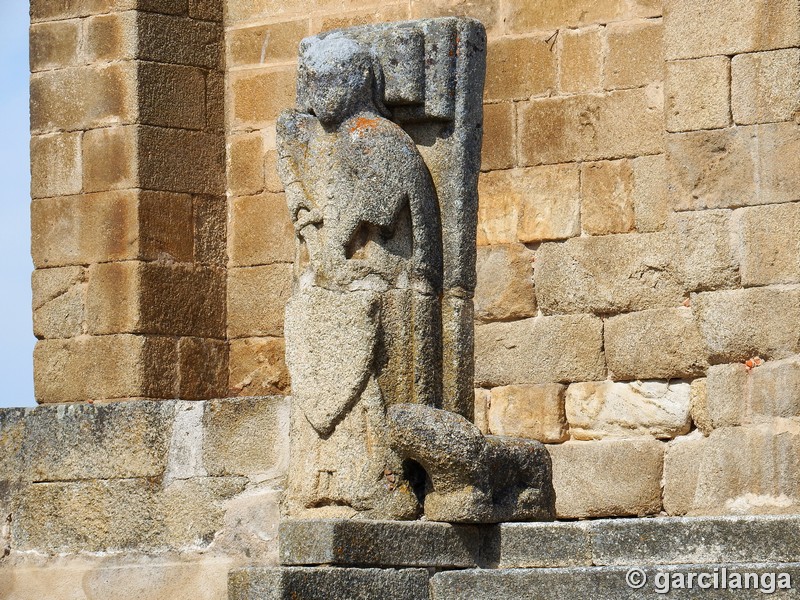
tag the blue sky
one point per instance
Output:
(16, 337)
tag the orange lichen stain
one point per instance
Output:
(364, 124)
(751, 363)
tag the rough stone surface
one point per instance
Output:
(598, 410)
(733, 167)
(769, 243)
(580, 69)
(521, 352)
(472, 478)
(765, 86)
(287, 583)
(739, 324)
(651, 206)
(505, 283)
(603, 583)
(592, 126)
(498, 151)
(258, 367)
(738, 395)
(698, 93)
(635, 54)
(607, 201)
(607, 478)
(382, 544)
(534, 412)
(735, 470)
(655, 344)
(518, 68)
(624, 273)
(693, 29)
(58, 302)
(529, 205)
(666, 541)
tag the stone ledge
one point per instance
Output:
(606, 542)
(314, 583)
(597, 583)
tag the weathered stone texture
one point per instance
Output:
(598, 410)
(136, 297)
(119, 366)
(257, 97)
(123, 514)
(261, 231)
(635, 55)
(769, 243)
(580, 61)
(698, 93)
(737, 395)
(735, 470)
(694, 29)
(523, 16)
(258, 367)
(607, 197)
(256, 300)
(264, 44)
(505, 283)
(110, 37)
(607, 478)
(112, 226)
(623, 273)
(655, 344)
(498, 150)
(316, 583)
(651, 206)
(529, 411)
(765, 86)
(529, 205)
(518, 68)
(55, 165)
(246, 437)
(733, 167)
(591, 127)
(539, 350)
(54, 45)
(58, 302)
(740, 324)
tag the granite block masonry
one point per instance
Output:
(380, 163)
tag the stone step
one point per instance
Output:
(676, 582)
(606, 542)
(315, 583)
(718, 581)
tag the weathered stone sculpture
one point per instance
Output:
(380, 165)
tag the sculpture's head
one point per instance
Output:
(337, 78)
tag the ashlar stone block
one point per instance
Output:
(765, 86)
(655, 344)
(607, 478)
(521, 352)
(505, 283)
(599, 410)
(529, 411)
(698, 93)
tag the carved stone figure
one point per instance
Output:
(380, 163)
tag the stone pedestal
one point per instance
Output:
(345, 559)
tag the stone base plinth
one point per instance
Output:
(344, 559)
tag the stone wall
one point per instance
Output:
(146, 499)
(128, 211)
(638, 230)
(638, 235)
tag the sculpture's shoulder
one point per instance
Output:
(381, 142)
(295, 127)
